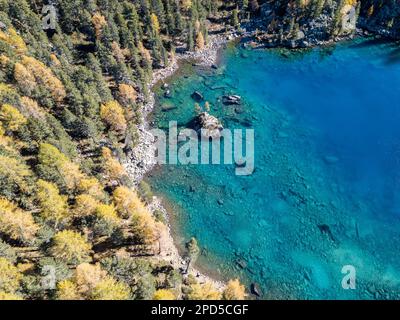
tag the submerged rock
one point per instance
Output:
(241, 263)
(231, 99)
(325, 229)
(168, 107)
(197, 96)
(255, 289)
(167, 93)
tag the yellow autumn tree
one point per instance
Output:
(164, 294)
(54, 60)
(304, 3)
(371, 10)
(4, 61)
(119, 53)
(92, 187)
(67, 290)
(110, 289)
(204, 291)
(4, 296)
(51, 158)
(10, 277)
(93, 283)
(200, 41)
(70, 247)
(234, 290)
(186, 4)
(127, 201)
(54, 207)
(25, 80)
(85, 205)
(87, 276)
(127, 94)
(113, 115)
(15, 223)
(13, 172)
(113, 170)
(144, 52)
(45, 77)
(144, 227)
(98, 22)
(11, 118)
(155, 23)
(107, 218)
(13, 39)
(30, 108)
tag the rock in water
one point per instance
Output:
(232, 99)
(197, 96)
(168, 107)
(241, 263)
(167, 94)
(255, 289)
(209, 126)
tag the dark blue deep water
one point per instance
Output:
(326, 189)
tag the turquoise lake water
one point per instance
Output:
(326, 189)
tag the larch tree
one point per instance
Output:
(11, 118)
(10, 277)
(53, 206)
(93, 283)
(15, 223)
(164, 294)
(99, 22)
(70, 247)
(204, 291)
(112, 169)
(234, 290)
(113, 115)
(200, 41)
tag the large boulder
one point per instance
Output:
(349, 19)
(208, 126)
(197, 96)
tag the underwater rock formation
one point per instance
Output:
(207, 125)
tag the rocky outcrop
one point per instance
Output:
(197, 96)
(380, 17)
(207, 125)
(308, 23)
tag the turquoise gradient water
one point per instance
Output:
(326, 189)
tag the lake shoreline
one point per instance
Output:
(141, 159)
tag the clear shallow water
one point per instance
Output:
(327, 149)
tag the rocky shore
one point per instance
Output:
(141, 159)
